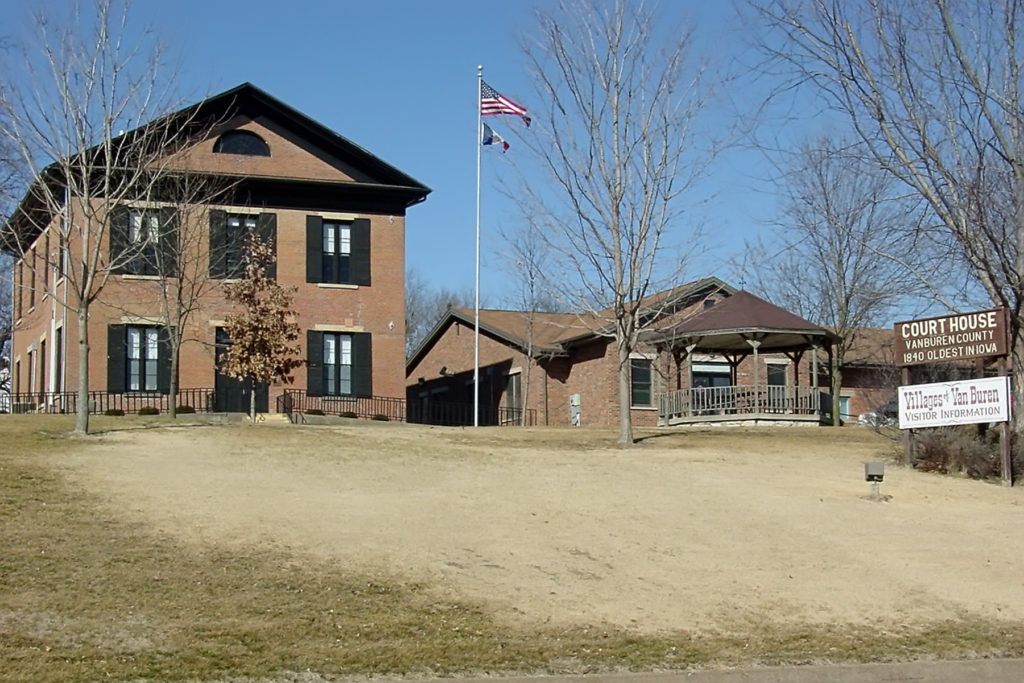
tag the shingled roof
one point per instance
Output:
(730, 324)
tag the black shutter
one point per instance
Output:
(314, 363)
(119, 238)
(163, 360)
(168, 242)
(116, 347)
(266, 229)
(359, 263)
(218, 243)
(362, 365)
(314, 249)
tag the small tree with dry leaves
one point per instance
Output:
(264, 333)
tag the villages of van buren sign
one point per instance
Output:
(951, 338)
(969, 401)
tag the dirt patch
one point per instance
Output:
(685, 532)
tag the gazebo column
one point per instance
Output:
(754, 344)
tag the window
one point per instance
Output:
(19, 284)
(338, 364)
(241, 142)
(513, 391)
(143, 241)
(143, 353)
(138, 358)
(32, 281)
(58, 360)
(46, 263)
(42, 367)
(338, 252)
(640, 381)
(229, 233)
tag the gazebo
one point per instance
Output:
(735, 328)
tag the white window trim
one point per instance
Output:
(334, 285)
(327, 327)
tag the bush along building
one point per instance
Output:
(333, 213)
(709, 353)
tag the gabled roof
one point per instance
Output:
(378, 180)
(872, 347)
(729, 324)
(554, 333)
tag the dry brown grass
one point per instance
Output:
(86, 596)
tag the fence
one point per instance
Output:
(761, 400)
(297, 401)
(294, 401)
(461, 414)
(202, 400)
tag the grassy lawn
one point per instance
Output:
(85, 596)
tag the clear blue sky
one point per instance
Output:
(398, 77)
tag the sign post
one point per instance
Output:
(956, 338)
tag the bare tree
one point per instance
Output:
(529, 263)
(188, 271)
(618, 96)
(425, 305)
(88, 79)
(6, 321)
(825, 261)
(264, 332)
(932, 88)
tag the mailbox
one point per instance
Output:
(874, 471)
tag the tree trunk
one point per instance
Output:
(172, 388)
(837, 384)
(252, 403)
(625, 417)
(82, 413)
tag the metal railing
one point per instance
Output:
(294, 401)
(461, 414)
(201, 400)
(744, 400)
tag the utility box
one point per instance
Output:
(874, 471)
(575, 413)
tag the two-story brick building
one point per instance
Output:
(334, 214)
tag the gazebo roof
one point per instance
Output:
(731, 324)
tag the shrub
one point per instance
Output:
(380, 418)
(184, 410)
(314, 411)
(113, 412)
(958, 450)
(347, 413)
(149, 410)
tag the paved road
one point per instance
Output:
(976, 671)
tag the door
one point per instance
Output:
(777, 388)
(231, 395)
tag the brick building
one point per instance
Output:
(334, 214)
(561, 368)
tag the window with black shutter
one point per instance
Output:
(339, 364)
(338, 252)
(138, 358)
(144, 241)
(229, 233)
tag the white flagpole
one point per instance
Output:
(476, 305)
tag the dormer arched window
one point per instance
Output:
(241, 142)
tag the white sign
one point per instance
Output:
(955, 403)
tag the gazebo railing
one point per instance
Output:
(744, 400)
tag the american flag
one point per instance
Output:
(493, 103)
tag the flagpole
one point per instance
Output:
(476, 304)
